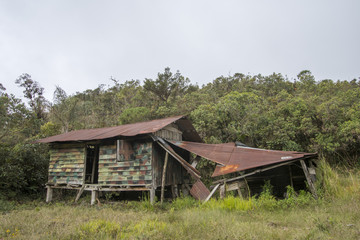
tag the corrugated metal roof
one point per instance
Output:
(234, 159)
(126, 130)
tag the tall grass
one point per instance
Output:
(337, 182)
(299, 216)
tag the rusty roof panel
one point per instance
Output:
(126, 130)
(199, 191)
(235, 158)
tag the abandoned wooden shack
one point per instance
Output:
(154, 156)
(131, 157)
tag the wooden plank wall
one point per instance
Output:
(175, 173)
(135, 171)
(67, 164)
(170, 132)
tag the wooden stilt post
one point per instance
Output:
(164, 177)
(291, 180)
(49, 194)
(152, 195)
(174, 188)
(247, 193)
(94, 195)
(239, 190)
(308, 179)
(222, 191)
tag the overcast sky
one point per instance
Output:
(81, 44)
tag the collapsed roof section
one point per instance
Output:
(231, 158)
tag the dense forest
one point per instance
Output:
(269, 112)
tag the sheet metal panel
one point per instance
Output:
(234, 159)
(199, 191)
(126, 130)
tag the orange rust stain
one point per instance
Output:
(228, 168)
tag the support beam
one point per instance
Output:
(94, 195)
(81, 190)
(247, 192)
(152, 195)
(174, 188)
(164, 177)
(291, 177)
(49, 194)
(239, 190)
(308, 179)
(223, 191)
(212, 192)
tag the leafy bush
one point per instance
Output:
(98, 229)
(230, 203)
(23, 169)
(6, 206)
(184, 203)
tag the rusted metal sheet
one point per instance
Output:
(237, 158)
(137, 170)
(127, 130)
(199, 191)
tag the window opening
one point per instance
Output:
(124, 150)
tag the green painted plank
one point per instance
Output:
(59, 165)
(73, 174)
(122, 169)
(126, 183)
(128, 173)
(69, 152)
(67, 156)
(67, 170)
(110, 156)
(124, 178)
(67, 162)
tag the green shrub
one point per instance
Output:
(146, 229)
(230, 203)
(6, 205)
(184, 203)
(98, 229)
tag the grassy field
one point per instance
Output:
(335, 216)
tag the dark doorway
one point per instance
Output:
(92, 164)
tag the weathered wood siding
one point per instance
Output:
(67, 164)
(175, 173)
(135, 171)
(170, 132)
